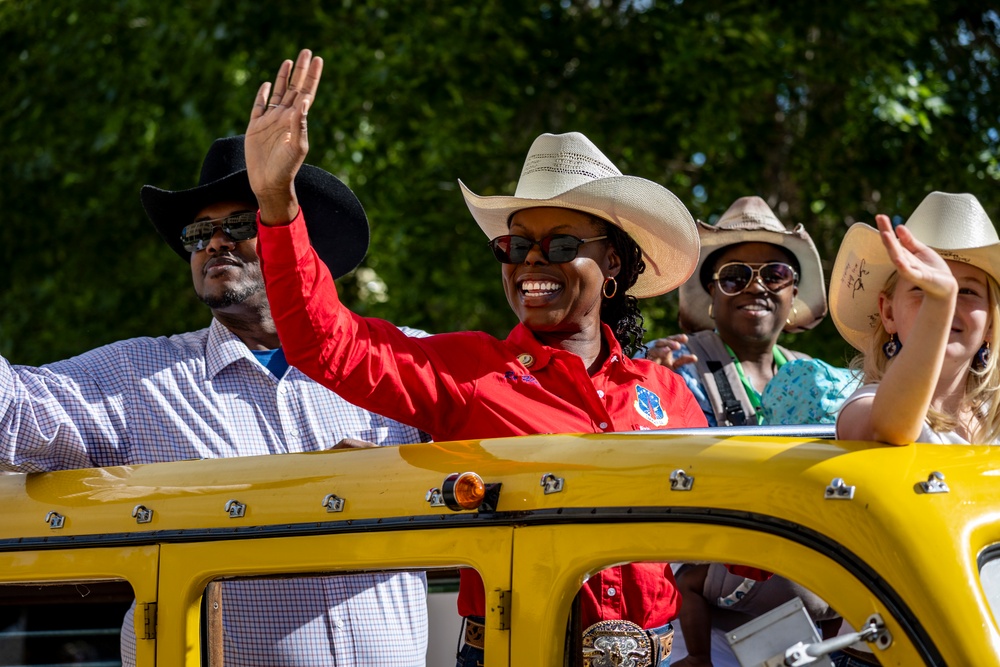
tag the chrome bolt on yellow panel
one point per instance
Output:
(839, 490)
(551, 483)
(934, 484)
(681, 481)
(142, 514)
(236, 509)
(333, 503)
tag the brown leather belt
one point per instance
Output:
(607, 643)
(610, 643)
(474, 633)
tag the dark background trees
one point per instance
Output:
(830, 111)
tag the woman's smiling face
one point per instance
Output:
(756, 314)
(559, 298)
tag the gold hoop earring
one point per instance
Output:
(791, 316)
(610, 280)
(711, 315)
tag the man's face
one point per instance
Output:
(226, 273)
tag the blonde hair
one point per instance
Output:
(981, 387)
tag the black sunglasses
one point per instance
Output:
(239, 227)
(735, 277)
(556, 248)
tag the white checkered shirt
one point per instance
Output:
(204, 395)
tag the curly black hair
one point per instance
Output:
(621, 312)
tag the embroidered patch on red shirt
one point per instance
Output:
(648, 405)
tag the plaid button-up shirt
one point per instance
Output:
(204, 395)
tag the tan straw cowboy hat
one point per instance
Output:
(751, 220)
(955, 225)
(568, 171)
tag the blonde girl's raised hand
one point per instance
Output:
(915, 262)
(277, 138)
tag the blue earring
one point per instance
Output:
(982, 358)
(892, 346)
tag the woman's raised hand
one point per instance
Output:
(914, 261)
(277, 139)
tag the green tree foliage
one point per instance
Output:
(830, 111)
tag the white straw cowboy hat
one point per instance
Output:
(751, 220)
(955, 225)
(568, 171)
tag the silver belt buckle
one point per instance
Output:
(617, 644)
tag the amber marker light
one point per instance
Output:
(463, 491)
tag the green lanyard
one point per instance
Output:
(779, 361)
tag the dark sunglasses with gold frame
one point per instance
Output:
(734, 278)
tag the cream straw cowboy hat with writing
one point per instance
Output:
(568, 171)
(955, 225)
(751, 220)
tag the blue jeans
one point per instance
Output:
(470, 656)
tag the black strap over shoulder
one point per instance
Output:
(730, 404)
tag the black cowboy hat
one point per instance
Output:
(338, 227)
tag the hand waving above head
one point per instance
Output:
(915, 262)
(277, 139)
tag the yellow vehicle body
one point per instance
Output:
(893, 549)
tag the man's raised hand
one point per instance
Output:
(277, 139)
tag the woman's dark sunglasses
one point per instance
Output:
(556, 248)
(239, 227)
(734, 277)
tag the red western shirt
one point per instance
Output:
(470, 385)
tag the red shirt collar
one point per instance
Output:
(522, 341)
